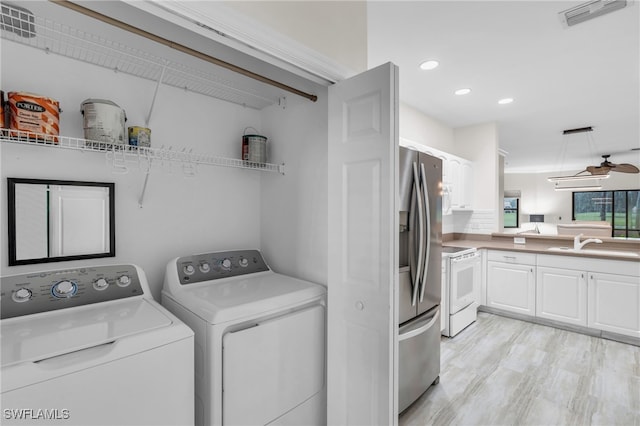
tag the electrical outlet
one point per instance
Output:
(519, 240)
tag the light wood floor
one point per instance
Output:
(501, 371)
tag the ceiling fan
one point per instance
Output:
(606, 166)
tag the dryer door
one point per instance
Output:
(273, 367)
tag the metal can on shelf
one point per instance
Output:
(139, 136)
(254, 148)
(33, 116)
(103, 122)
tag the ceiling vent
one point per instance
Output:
(589, 10)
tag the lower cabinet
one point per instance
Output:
(511, 282)
(614, 303)
(561, 295)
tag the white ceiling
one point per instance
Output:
(560, 78)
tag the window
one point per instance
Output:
(511, 211)
(620, 208)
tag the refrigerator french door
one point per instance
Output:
(420, 186)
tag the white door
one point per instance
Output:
(363, 249)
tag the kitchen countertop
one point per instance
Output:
(540, 244)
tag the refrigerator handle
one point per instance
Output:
(419, 328)
(418, 234)
(427, 208)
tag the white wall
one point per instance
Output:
(294, 206)
(336, 29)
(479, 143)
(219, 209)
(419, 127)
(539, 197)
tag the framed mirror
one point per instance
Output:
(56, 220)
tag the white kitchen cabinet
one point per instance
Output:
(561, 295)
(584, 291)
(511, 281)
(614, 303)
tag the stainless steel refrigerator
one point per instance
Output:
(420, 263)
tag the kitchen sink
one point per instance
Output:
(595, 251)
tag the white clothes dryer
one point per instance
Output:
(259, 339)
(89, 346)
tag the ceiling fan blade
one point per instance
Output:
(625, 168)
(598, 170)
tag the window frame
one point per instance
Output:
(612, 221)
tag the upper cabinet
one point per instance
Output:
(457, 178)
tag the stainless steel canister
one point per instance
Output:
(103, 122)
(254, 148)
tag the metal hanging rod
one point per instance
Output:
(182, 48)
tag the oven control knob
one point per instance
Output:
(204, 267)
(244, 262)
(226, 264)
(189, 269)
(22, 295)
(124, 281)
(64, 289)
(100, 284)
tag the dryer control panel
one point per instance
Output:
(51, 290)
(222, 264)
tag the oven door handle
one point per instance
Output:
(417, 262)
(427, 208)
(463, 258)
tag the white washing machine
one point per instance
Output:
(259, 339)
(89, 346)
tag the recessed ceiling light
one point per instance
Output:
(464, 91)
(505, 101)
(429, 65)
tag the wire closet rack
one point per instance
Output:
(21, 26)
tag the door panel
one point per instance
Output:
(363, 248)
(405, 308)
(419, 357)
(433, 283)
(272, 367)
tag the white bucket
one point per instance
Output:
(103, 122)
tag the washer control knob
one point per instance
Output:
(100, 284)
(244, 262)
(189, 269)
(204, 267)
(64, 289)
(226, 264)
(22, 295)
(124, 280)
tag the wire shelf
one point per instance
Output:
(20, 26)
(120, 156)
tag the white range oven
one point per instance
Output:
(460, 288)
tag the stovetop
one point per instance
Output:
(449, 249)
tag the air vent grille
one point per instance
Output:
(590, 10)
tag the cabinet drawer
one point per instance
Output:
(512, 257)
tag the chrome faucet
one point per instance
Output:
(577, 245)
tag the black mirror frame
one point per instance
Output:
(11, 214)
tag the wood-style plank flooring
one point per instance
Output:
(501, 371)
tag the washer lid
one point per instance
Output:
(246, 296)
(49, 334)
